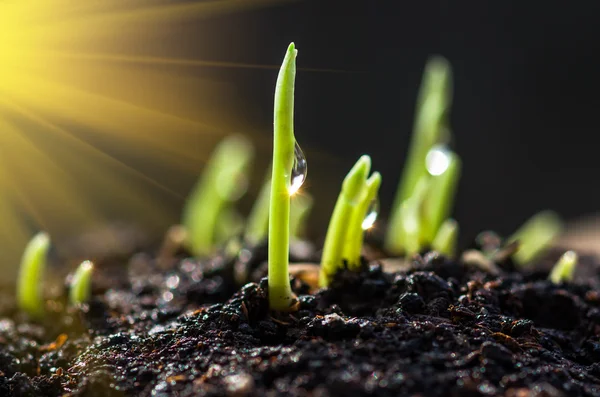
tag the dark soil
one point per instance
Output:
(437, 328)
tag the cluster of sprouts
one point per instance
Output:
(420, 216)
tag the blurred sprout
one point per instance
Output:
(411, 222)
(430, 129)
(257, 225)
(535, 236)
(442, 190)
(564, 269)
(223, 181)
(81, 284)
(300, 209)
(33, 264)
(446, 239)
(353, 189)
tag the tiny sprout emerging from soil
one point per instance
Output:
(299, 212)
(430, 129)
(363, 218)
(257, 225)
(222, 183)
(33, 265)
(81, 285)
(535, 236)
(564, 269)
(446, 239)
(353, 190)
(283, 184)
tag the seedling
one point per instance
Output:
(81, 284)
(364, 217)
(535, 236)
(257, 225)
(33, 264)
(564, 270)
(353, 189)
(412, 219)
(299, 212)
(222, 183)
(285, 181)
(446, 239)
(444, 167)
(430, 129)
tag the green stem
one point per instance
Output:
(281, 297)
(356, 232)
(446, 239)
(564, 270)
(535, 236)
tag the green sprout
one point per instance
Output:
(564, 269)
(81, 284)
(363, 218)
(446, 239)
(221, 183)
(281, 297)
(412, 220)
(257, 225)
(299, 211)
(33, 264)
(430, 129)
(353, 189)
(444, 167)
(535, 236)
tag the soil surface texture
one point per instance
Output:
(430, 327)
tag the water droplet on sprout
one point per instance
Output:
(372, 214)
(299, 170)
(437, 160)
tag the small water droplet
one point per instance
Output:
(437, 160)
(372, 214)
(299, 170)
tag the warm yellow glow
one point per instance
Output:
(92, 101)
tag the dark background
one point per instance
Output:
(526, 94)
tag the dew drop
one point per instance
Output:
(372, 214)
(299, 170)
(437, 160)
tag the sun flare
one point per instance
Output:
(93, 99)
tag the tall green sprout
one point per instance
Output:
(430, 128)
(281, 297)
(353, 189)
(222, 182)
(33, 264)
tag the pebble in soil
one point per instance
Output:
(439, 328)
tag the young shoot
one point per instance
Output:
(257, 225)
(363, 218)
(564, 270)
(353, 189)
(223, 182)
(81, 284)
(300, 209)
(535, 236)
(446, 239)
(444, 167)
(33, 264)
(430, 128)
(412, 221)
(283, 185)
